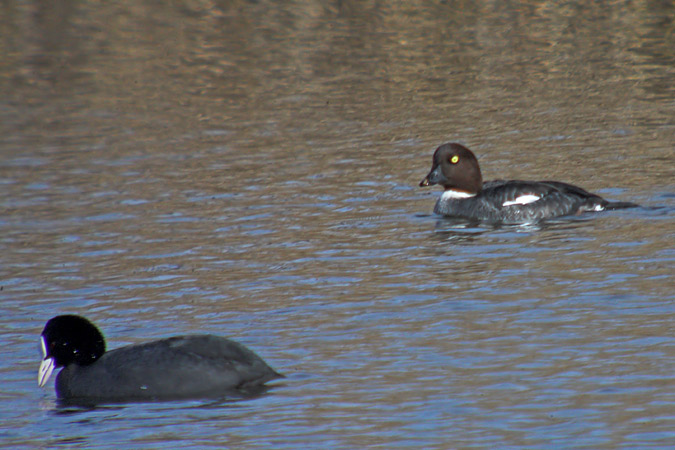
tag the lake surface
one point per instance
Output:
(251, 169)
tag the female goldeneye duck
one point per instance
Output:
(456, 168)
(181, 367)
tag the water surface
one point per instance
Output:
(250, 169)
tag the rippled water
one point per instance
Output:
(250, 169)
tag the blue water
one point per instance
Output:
(252, 171)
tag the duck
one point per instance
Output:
(466, 196)
(179, 367)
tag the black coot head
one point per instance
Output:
(69, 339)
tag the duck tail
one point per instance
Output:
(621, 205)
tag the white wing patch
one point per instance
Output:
(522, 200)
(455, 195)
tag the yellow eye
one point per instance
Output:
(454, 159)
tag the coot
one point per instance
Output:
(180, 367)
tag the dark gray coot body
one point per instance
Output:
(179, 367)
